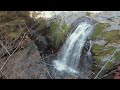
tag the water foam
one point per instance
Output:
(72, 49)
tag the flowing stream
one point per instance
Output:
(72, 49)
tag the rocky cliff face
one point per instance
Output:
(105, 41)
(47, 37)
(106, 47)
(105, 38)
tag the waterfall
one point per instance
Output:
(72, 49)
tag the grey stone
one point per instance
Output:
(41, 43)
(24, 64)
(100, 42)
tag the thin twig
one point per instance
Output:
(13, 51)
(4, 47)
(16, 47)
(108, 74)
(49, 73)
(48, 70)
(10, 56)
(4, 74)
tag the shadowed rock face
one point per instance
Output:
(41, 43)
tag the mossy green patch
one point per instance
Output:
(101, 52)
(97, 59)
(117, 57)
(53, 31)
(98, 30)
(58, 32)
(112, 36)
(110, 65)
(108, 51)
(53, 28)
(96, 48)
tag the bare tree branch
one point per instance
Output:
(108, 74)
(5, 48)
(4, 74)
(14, 50)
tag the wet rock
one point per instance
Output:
(41, 43)
(86, 62)
(82, 19)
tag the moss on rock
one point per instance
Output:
(117, 57)
(96, 48)
(100, 53)
(58, 32)
(110, 65)
(98, 30)
(112, 36)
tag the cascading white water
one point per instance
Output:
(72, 49)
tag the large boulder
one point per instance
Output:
(105, 48)
(25, 64)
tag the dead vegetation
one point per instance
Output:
(14, 29)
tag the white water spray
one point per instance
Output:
(72, 49)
